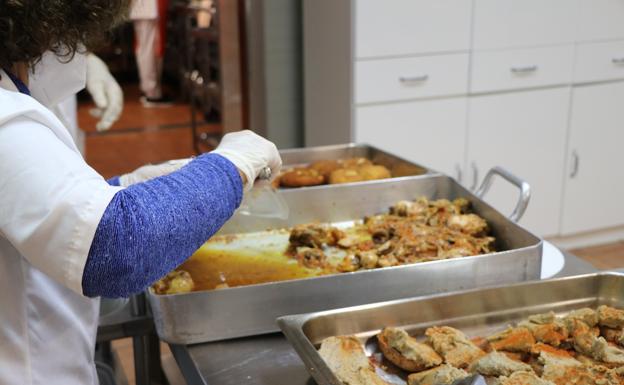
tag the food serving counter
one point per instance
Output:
(270, 359)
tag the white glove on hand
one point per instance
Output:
(250, 153)
(152, 171)
(105, 91)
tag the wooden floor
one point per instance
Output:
(141, 136)
(604, 257)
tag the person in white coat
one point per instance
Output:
(67, 236)
(145, 16)
(107, 96)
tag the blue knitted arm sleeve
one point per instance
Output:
(150, 228)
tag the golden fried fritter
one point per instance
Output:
(325, 167)
(301, 177)
(346, 175)
(372, 172)
(354, 162)
(405, 352)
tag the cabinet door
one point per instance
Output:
(524, 23)
(524, 132)
(407, 27)
(601, 19)
(431, 133)
(594, 187)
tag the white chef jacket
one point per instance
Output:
(144, 10)
(51, 202)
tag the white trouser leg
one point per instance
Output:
(149, 65)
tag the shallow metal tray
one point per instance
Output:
(476, 312)
(251, 310)
(399, 167)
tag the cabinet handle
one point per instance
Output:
(414, 79)
(575, 164)
(617, 60)
(475, 176)
(524, 70)
(458, 172)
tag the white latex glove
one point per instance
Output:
(152, 171)
(105, 91)
(250, 153)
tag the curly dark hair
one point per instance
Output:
(28, 28)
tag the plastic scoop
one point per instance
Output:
(263, 201)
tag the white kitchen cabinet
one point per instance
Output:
(521, 68)
(523, 132)
(599, 61)
(600, 20)
(384, 80)
(432, 132)
(408, 27)
(524, 23)
(594, 184)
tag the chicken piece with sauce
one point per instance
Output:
(176, 282)
(314, 236)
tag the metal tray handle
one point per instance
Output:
(525, 190)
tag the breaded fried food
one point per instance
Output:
(325, 167)
(522, 378)
(374, 172)
(582, 336)
(539, 347)
(301, 177)
(497, 364)
(615, 336)
(454, 347)
(518, 339)
(346, 175)
(610, 317)
(442, 375)
(354, 162)
(602, 351)
(346, 358)
(405, 352)
(546, 328)
(587, 315)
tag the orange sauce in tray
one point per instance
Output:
(230, 261)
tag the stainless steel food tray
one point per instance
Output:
(252, 310)
(397, 165)
(476, 312)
